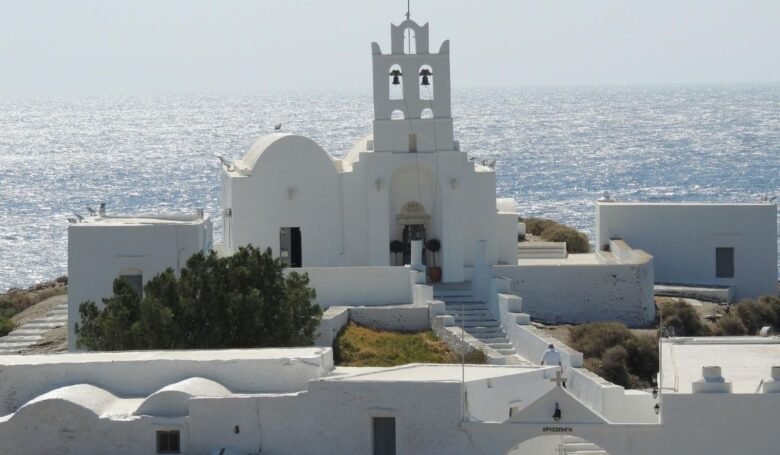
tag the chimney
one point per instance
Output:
(711, 381)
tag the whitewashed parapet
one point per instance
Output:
(333, 320)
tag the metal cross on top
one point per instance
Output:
(408, 12)
(558, 379)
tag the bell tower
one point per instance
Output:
(412, 111)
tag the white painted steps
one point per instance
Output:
(32, 332)
(573, 445)
(474, 316)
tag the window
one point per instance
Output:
(397, 114)
(384, 435)
(724, 262)
(413, 142)
(410, 39)
(168, 442)
(426, 113)
(136, 281)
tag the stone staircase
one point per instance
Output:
(573, 445)
(33, 331)
(475, 317)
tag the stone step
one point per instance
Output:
(58, 313)
(500, 345)
(471, 317)
(9, 352)
(510, 351)
(14, 344)
(472, 322)
(468, 325)
(12, 338)
(28, 331)
(43, 325)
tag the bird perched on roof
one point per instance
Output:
(72, 220)
(278, 127)
(80, 218)
(228, 165)
(102, 209)
(91, 211)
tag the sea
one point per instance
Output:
(556, 150)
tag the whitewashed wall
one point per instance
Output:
(359, 286)
(143, 373)
(682, 239)
(99, 252)
(578, 293)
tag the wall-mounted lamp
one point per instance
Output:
(557, 413)
(291, 192)
(228, 212)
(655, 392)
(378, 184)
(657, 408)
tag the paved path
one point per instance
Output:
(33, 331)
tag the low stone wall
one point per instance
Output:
(570, 292)
(402, 318)
(360, 286)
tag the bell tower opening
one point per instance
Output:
(413, 80)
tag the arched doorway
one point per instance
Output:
(557, 445)
(413, 221)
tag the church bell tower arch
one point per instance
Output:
(412, 102)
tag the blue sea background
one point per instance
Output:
(557, 149)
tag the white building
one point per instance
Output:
(406, 181)
(103, 248)
(726, 245)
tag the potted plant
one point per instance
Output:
(434, 272)
(396, 247)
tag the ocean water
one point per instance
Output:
(557, 149)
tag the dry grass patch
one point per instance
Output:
(360, 346)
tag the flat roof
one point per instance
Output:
(142, 220)
(571, 259)
(434, 373)
(135, 356)
(744, 361)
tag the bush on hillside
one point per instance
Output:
(552, 231)
(749, 316)
(6, 326)
(615, 353)
(595, 338)
(241, 301)
(684, 318)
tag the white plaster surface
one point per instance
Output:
(100, 249)
(742, 363)
(682, 239)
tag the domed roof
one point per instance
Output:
(283, 142)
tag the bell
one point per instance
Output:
(395, 74)
(425, 73)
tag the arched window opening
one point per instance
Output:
(426, 113)
(410, 41)
(397, 114)
(396, 83)
(426, 82)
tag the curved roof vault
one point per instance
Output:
(173, 400)
(282, 143)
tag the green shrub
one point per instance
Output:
(576, 242)
(749, 316)
(593, 339)
(729, 325)
(552, 231)
(535, 226)
(684, 318)
(613, 366)
(612, 351)
(242, 301)
(6, 326)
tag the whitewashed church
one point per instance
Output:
(406, 183)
